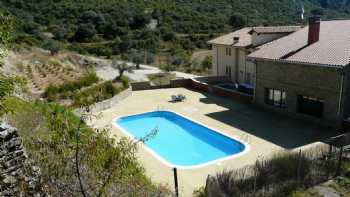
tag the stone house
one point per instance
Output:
(230, 51)
(306, 74)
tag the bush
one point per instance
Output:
(53, 93)
(278, 176)
(54, 138)
(95, 94)
(125, 81)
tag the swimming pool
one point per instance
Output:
(180, 142)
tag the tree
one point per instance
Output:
(167, 67)
(122, 67)
(53, 46)
(85, 32)
(137, 59)
(317, 12)
(169, 36)
(207, 63)
(237, 20)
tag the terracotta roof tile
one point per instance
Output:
(276, 29)
(245, 39)
(333, 48)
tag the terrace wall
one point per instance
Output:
(234, 95)
(202, 84)
(106, 104)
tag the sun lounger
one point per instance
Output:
(181, 97)
(177, 98)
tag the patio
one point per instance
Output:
(264, 132)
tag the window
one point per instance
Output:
(310, 106)
(228, 51)
(248, 78)
(228, 70)
(275, 97)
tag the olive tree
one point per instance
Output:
(122, 67)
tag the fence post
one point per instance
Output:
(328, 162)
(299, 165)
(339, 161)
(176, 183)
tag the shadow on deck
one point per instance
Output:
(280, 130)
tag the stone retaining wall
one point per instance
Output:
(213, 79)
(17, 176)
(199, 86)
(179, 83)
(234, 95)
(106, 104)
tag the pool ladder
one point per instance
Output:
(245, 138)
(160, 108)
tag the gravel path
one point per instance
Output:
(105, 71)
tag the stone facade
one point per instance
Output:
(346, 95)
(18, 177)
(297, 80)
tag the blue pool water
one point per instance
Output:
(180, 141)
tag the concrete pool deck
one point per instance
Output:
(265, 133)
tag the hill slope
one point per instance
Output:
(177, 27)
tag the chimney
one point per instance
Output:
(235, 39)
(314, 29)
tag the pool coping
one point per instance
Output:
(169, 164)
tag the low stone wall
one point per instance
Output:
(106, 104)
(179, 83)
(213, 79)
(235, 95)
(199, 86)
(202, 84)
(17, 175)
(144, 85)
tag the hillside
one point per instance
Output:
(142, 31)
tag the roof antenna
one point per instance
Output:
(302, 12)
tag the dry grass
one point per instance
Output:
(40, 68)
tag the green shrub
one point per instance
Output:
(279, 176)
(53, 92)
(125, 81)
(54, 137)
(95, 94)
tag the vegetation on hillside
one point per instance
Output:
(55, 92)
(74, 159)
(7, 84)
(282, 175)
(171, 29)
(85, 91)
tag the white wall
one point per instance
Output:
(220, 60)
